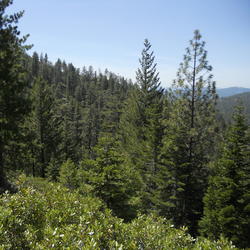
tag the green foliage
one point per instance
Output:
(68, 174)
(226, 105)
(21, 216)
(13, 83)
(152, 232)
(52, 170)
(71, 126)
(227, 199)
(44, 126)
(111, 178)
(135, 147)
(54, 217)
(221, 243)
(140, 126)
(190, 133)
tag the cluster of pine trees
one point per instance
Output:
(138, 147)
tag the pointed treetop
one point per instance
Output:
(146, 76)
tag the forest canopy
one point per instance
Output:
(92, 160)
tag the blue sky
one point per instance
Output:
(110, 33)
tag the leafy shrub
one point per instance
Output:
(153, 232)
(21, 215)
(46, 215)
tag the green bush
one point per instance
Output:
(45, 215)
(22, 216)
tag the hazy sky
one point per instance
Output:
(110, 34)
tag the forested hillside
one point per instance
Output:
(90, 160)
(227, 104)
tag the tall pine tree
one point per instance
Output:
(189, 139)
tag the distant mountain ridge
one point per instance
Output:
(225, 92)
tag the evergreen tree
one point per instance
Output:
(109, 176)
(13, 99)
(68, 174)
(189, 140)
(35, 65)
(226, 203)
(44, 125)
(141, 129)
(71, 129)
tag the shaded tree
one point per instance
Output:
(44, 124)
(13, 99)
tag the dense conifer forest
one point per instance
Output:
(226, 105)
(91, 160)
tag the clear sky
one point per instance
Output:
(110, 34)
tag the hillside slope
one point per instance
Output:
(226, 105)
